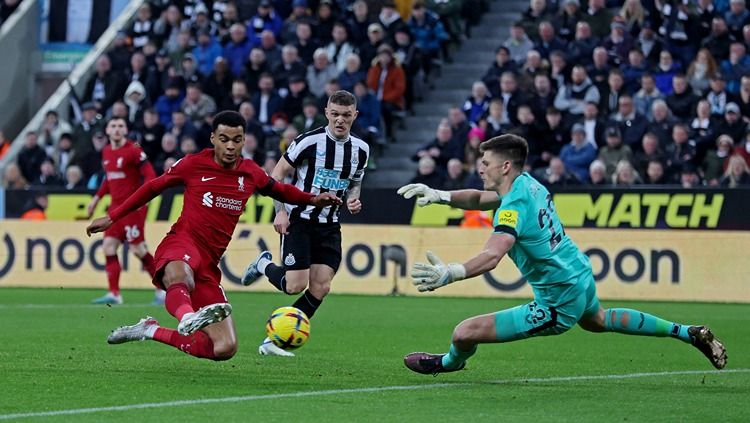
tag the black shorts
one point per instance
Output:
(309, 243)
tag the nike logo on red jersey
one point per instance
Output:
(204, 179)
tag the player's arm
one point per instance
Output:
(467, 199)
(280, 171)
(101, 192)
(140, 197)
(147, 170)
(288, 193)
(352, 197)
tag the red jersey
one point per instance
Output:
(126, 169)
(214, 197)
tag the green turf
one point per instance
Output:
(54, 357)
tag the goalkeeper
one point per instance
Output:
(527, 228)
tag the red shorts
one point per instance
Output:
(130, 228)
(206, 273)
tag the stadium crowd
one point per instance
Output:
(611, 93)
(275, 62)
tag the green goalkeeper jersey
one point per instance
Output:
(542, 252)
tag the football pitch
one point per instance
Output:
(55, 365)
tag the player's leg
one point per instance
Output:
(325, 258)
(635, 322)
(110, 245)
(321, 276)
(292, 275)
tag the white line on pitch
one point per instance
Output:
(356, 391)
(66, 306)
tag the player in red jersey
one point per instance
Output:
(127, 169)
(218, 183)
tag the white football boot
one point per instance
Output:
(109, 298)
(140, 331)
(252, 273)
(267, 347)
(208, 315)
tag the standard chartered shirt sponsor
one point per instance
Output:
(228, 203)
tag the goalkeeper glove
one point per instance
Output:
(429, 277)
(425, 195)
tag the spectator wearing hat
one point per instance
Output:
(305, 43)
(619, 42)
(632, 125)
(169, 102)
(519, 43)
(714, 163)
(578, 154)
(311, 118)
(205, 52)
(325, 19)
(104, 87)
(649, 44)
(290, 65)
(136, 101)
(387, 80)
(300, 11)
(352, 73)
(598, 17)
(474, 138)
(428, 34)
(202, 22)
(84, 130)
(358, 23)
(237, 50)
(369, 50)
(679, 152)
(296, 93)
(732, 124)
(718, 97)
(567, 19)
(614, 151)
(266, 18)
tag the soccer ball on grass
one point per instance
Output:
(288, 328)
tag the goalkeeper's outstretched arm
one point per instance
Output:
(467, 199)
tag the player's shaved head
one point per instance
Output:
(509, 146)
(228, 118)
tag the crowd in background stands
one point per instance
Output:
(275, 62)
(611, 93)
(6, 8)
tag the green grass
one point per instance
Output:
(53, 356)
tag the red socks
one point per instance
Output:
(177, 301)
(197, 344)
(112, 267)
(148, 264)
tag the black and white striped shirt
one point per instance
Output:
(324, 164)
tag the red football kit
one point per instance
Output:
(214, 199)
(126, 170)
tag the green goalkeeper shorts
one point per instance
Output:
(555, 309)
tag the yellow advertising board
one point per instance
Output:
(679, 265)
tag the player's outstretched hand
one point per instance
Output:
(325, 199)
(425, 195)
(429, 277)
(354, 205)
(99, 225)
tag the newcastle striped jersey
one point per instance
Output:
(324, 164)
